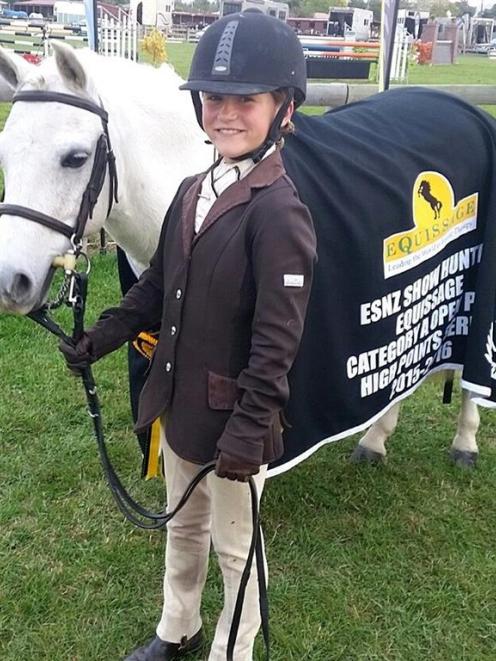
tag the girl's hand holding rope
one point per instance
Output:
(233, 468)
(78, 357)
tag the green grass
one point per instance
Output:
(180, 55)
(393, 563)
(467, 70)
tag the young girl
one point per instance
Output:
(229, 282)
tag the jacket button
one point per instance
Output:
(168, 367)
(173, 330)
(179, 293)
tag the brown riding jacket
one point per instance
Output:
(231, 301)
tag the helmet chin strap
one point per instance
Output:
(275, 131)
(198, 106)
(273, 136)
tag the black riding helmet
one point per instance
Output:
(249, 53)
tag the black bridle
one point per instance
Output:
(74, 293)
(104, 160)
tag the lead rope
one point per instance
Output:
(131, 509)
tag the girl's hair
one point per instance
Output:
(279, 97)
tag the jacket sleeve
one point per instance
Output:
(282, 252)
(141, 308)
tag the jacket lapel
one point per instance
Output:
(238, 193)
(188, 214)
(266, 172)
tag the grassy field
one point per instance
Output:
(393, 563)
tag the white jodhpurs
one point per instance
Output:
(220, 510)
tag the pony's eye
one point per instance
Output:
(75, 159)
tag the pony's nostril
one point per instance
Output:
(21, 287)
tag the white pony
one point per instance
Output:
(47, 150)
(154, 134)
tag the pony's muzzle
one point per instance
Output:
(16, 289)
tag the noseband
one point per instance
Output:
(104, 158)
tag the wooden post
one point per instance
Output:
(103, 242)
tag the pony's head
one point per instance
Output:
(47, 151)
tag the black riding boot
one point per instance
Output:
(161, 650)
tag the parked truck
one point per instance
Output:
(350, 22)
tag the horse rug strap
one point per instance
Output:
(104, 157)
(145, 345)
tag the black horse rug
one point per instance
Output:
(402, 190)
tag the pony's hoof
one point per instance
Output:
(463, 458)
(362, 454)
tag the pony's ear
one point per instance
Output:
(13, 69)
(69, 66)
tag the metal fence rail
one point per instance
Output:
(332, 95)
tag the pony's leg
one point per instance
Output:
(464, 450)
(372, 446)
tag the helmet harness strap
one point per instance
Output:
(275, 130)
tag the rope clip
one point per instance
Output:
(73, 297)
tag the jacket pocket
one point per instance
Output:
(223, 392)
